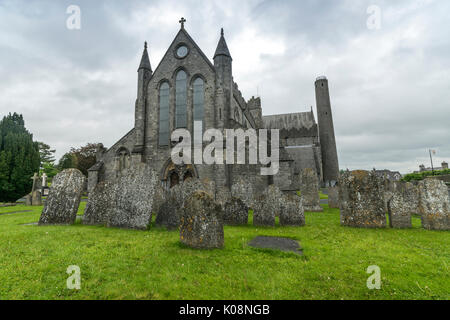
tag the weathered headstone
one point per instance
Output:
(361, 198)
(201, 222)
(309, 190)
(36, 198)
(134, 190)
(235, 212)
(159, 198)
(223, 194)
(28, 200)
(169, 214)
(100, 204)
(243, 190)
(292, 213)
(267, 206)
(434, 205)
(403, 203)
(64, 198)
(333, 197)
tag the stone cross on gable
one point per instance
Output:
(182, 21)
(35, 178)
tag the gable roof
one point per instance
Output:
(183, 31)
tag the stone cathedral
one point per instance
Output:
(187, 86)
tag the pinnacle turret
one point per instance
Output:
(145, 61)
(222, 48)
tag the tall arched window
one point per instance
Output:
(164, 114)
(199, 97)
(180, 100)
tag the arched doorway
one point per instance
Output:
(173, 174)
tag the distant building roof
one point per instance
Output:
(289, 121)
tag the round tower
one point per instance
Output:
(330, 165)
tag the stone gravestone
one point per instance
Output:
(36, 195)
(235, 212)
(243, 190)
(133, 197)
(64, 198)
(292, 213)
(99, 205)
(169, 215)
(434, 205)
(403, 203)
(36, 198)
(309, 190)
(267, 206)
(201, 222)
(333, 197)
(28, 200)
(223, 194)
(361, 198)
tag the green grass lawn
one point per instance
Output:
(127, 264)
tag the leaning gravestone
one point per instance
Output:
(243, 190)
(133, 191)
(361, 198)
(99, 205)
(403, 203)
(292, 213)
(235, 212)
(333, 197)
(201, 222)
(64, 198)
(434, 205)
(267, 206)
(309, 190)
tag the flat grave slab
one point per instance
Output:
(276, 243)
(23, 211)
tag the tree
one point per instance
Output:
(80, 158)
(46, 153)
(49, 169)
(19, 158)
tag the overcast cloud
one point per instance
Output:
(390, 88)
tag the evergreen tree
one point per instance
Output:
(46, 153)
(19, 158)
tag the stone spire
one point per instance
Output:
(145, 61)
(222, 48)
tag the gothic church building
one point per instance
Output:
(186, 87)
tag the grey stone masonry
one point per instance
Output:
(201, 222)
(403, 203)
(64, 198)
(361, 197)
(434, 205)
(235, 212)
(309, 190)
(333, 197)
(292, 213)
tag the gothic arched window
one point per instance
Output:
(164, 114)
(199, 97)
(181, 100)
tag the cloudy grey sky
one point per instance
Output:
(390, 88)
